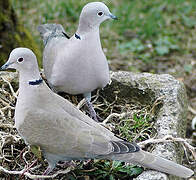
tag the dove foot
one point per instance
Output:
(92, 112)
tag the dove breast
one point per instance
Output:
(80, 66)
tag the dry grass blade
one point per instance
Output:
(168, 139)
(31, 176)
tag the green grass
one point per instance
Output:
(101, 169)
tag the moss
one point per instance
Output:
(13, 34)
(28, 42)
(154, 83)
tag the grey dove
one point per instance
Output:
(63, 132)
(77, 65)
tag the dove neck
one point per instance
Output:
(85, 27)
(27, 76)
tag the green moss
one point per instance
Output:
(13, 34)
(154, 83)
(28, 42)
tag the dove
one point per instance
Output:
(77, 65)
(63, 132)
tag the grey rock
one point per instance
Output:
(152, 175)
(170, 116)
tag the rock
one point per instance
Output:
(152, 175)
(170, 116)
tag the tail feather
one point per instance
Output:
(154, 162)
(48, 31)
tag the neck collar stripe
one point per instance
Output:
(77, 36)
(36, 82)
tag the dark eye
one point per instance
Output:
(100, 13)
(20, 60)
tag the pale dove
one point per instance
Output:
(77, 65)
(63, 132)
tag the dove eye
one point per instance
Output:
(20, 60)
(100, 13)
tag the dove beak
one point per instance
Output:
(113, 17)
(5, 66)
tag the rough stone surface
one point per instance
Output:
(152, 175)
(170, 116)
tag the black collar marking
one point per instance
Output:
(36, 82)
(65, 35)
(77, 36)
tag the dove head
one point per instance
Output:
(21, 59)
(93, 14)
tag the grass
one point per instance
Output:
(107, 170)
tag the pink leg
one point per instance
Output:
(21, 153)
(47, 171)
(27, 169)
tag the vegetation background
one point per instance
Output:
(150, 36)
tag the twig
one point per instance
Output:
(4, 102)
(168, 139)
(193, 124)
(2, 114)
(156, 103)
(31, 176)
(122, 115)
(4, 126)
(96, 96)
(81, 103)
(10, 86)
(193, 111)
(28, 168)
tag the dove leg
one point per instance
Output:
(93, 114)
(21, 154)
(49, 169)
(28, 168)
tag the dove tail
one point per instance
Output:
(151, 161)
(48, 31)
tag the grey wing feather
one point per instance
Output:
(53, 40)
(49, 31)
(121, 147)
